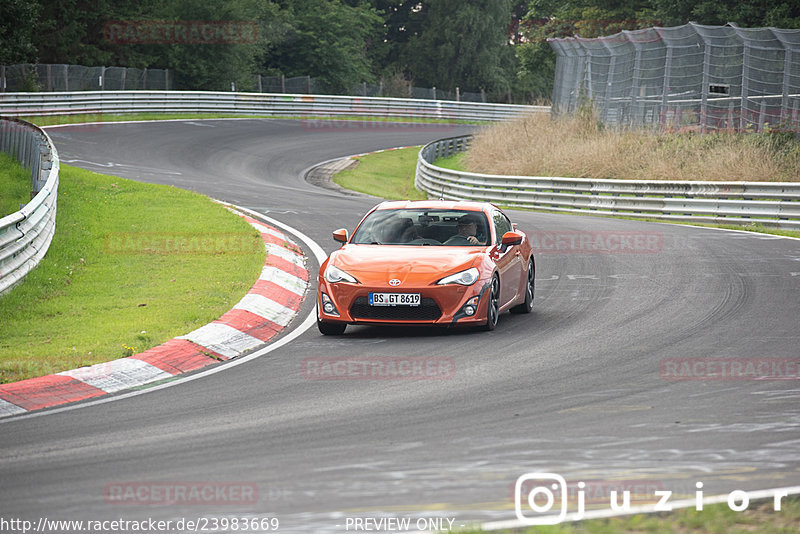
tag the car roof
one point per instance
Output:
(435, 204)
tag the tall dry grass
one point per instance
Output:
(580, 147)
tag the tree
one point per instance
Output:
(71, 31)
(556, 18)
(326, 39)
(213, 66)
(16, 31)
(537, 67)
(745, 13)
(402, 20)
(462, 43)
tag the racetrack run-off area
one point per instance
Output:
(589, 386)
(268, 308)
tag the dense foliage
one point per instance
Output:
(494, 45)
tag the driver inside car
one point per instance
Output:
(467, 230)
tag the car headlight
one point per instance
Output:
(465, 278)
(334, 274)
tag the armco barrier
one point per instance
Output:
(25, 235)
(275, 105)
(775, 204)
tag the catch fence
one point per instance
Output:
(26, 78)
(686, 78)
(50, 78)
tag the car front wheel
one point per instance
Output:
(493, 307)
(527, 305)
(331, 329)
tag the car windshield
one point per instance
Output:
(423, 227)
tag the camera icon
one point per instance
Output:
(554, 483)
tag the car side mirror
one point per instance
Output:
(340, 235)
(510, 239)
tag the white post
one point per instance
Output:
(704, 87)
(745, 87)
(787, 70)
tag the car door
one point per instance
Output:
(509, 262)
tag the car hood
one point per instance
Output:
(380, 263)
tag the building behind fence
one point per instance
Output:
(691, 77)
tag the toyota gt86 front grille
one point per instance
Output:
(427, 310)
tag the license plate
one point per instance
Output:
(394, 299)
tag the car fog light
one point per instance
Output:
(471, 307)
(328, 306)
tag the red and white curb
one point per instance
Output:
(268, 308)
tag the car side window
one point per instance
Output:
(501, 224)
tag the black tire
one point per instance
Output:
(527, 306)
(493, 305)
(331, 329)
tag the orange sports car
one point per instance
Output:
(430, 262)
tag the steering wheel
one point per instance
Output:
(458, 239)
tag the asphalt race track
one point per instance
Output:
(581, 387)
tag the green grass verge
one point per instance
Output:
(454, 162)
(755, 228)
(15, 185)
(713, 519)
(758, 228)
(401, 176)
(127, 270)
(388, 174)
(53, 120)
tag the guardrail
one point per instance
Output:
(774, 204)
(25, 235)
(276, 105)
